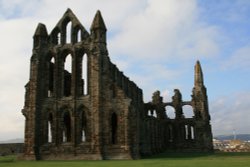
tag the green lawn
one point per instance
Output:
(162, 160)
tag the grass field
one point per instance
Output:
(162, 160)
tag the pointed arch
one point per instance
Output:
(68, 63)
(68, 34)
(50, 128)
(192, 133)
(114, 125)
(84, 73)
(51, 77)
(79, 35)
(189, 131)
(69, 26)
(58, 38)
(83, 126)
(66, 133)
(67, 75)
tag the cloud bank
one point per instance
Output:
(155, 43)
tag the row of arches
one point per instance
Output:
(188, 133)
(82, 124)
(65, 129)
(67, 33)
(80, 73)
(171, 113)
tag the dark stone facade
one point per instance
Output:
(100, 114)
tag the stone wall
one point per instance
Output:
(101, 116)
(11, 148)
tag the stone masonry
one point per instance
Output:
(92, 110)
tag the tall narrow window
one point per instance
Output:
(84, 124)
(192, 132)
(79, 38)
(67, 75)
(68, 62)
(186, 132)
(66, 127)
(170, 133)
(51, 77)
(114, 128)
(149, 113)
(154, 114)
(50, 122)
(85, 74)
(58, 38)
(64, 136)
(68, 32)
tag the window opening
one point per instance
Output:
(79, 38)
(68, 32)
(50, 122)
(85, 74)
(186, 131)
(84, 124)
(188, 111)
(170, 133)
(170, 112)
(58, 39)
(114, 128)
(67, 75)
(51, 77)
(66, 128)
(192, 132)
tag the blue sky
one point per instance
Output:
(154, 42)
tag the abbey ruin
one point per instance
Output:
(92, 110)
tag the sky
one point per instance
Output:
(154, 42)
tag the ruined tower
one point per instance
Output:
(72, 115)
(179, 133)
(200, 107)
(79, 105)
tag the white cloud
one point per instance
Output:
(240, 59)
(18, 21)
(166, 29)
(16, 39)
(231, 113)
(145, 38)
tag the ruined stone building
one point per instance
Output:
(91, 110)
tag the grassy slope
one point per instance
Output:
(168, 160)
